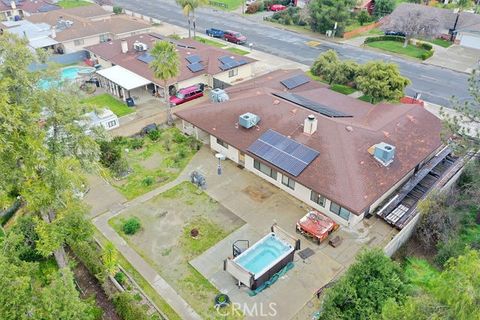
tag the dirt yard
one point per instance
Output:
(165, 239)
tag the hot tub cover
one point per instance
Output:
(317, 225)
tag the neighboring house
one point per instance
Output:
(17, 9)
(199, 63)
(464, 25)
(339, 155)
(79, 27)
(368, 5)
(39, 35)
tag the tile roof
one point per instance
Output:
(111, 51)
(83, 27)
(344, 172)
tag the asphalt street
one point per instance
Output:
(436, 84)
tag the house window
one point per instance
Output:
(339, 211)
(112, 123)
(288, 182)
(222, 143)
(233, 72)
(78, 42)
(317, 198)
(265, 169)
(104, 37)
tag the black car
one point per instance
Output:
(395, 33)
(148, 128)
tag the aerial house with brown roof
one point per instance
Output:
(339, 155)
(199, 63)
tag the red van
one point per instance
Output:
(187, 94)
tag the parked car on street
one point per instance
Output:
(187, 94)
(235, 37)
(395, 33)
(277, 7)
(216, 33)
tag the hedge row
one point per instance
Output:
(384, 38)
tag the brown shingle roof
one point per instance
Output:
(344, 172)
(90, 11)
(111, 51)
(83, 27)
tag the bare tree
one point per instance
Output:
(415, 22)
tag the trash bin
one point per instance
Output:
(130, 102)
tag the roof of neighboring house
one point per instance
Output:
(112, 51)
(344, 171)
(89, 12)
(83, 27)
(467, 21)
(30, 6)
(38, 34)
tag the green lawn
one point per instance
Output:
(105, 100)
(441, 42)
(397, 47)
(229, 4)
(156, 163)
(342, 89)
(238, 51)
(73, 3)
(419, 272)
(368, 99)
(142, 283)
(210, 42)
(314, 77)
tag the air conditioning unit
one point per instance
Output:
(219, 95)
(248, 120)
(384, 153)
(139, 46)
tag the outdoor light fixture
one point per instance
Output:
(220, 158)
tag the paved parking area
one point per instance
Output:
(261, 204)
(456, 57)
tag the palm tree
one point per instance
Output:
(188, 8)
(165, 66)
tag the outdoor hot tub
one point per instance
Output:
(261, 261)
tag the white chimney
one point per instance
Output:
(13, 5)
(124, 44)
(310, 124)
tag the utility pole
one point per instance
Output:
(454, 27)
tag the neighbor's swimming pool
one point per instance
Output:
(264, 254)
(68, 73)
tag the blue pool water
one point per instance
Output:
(262, 256)
(68, 73)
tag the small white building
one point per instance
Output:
(105, 118)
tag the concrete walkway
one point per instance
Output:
(181, 307)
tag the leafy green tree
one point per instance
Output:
(333, 70)
(188, 8)
(453, 294)
(383, 7)
(381, 81)
(364, 288)
(325, 13)
(165, 66)
(363, 17)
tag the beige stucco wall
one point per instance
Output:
(244, 73)
(230, 152)
(203, 78)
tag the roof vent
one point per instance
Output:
(384, 153)
(248, 120)
(310, 124)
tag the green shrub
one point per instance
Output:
(450, 249)
(136, 143)
(254, 7)
(120, 277)
(426, 55)
(363, 17)
(127, 308)
(117, 9)
(131, 226)
(178, 137)
(154, 135)
(384, 38)
(120, 168)
(110, 152)
(89, 254)
(424, 45)
(148, 181)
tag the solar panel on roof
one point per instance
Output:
(283, 152)
(193, 59)
(145, 57)
(195, 67)
(295, 81)
(312, 105)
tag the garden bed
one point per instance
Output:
(166, 243)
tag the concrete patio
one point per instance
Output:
(260, 205)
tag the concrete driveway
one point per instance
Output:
(456, 58)
(261, 204)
